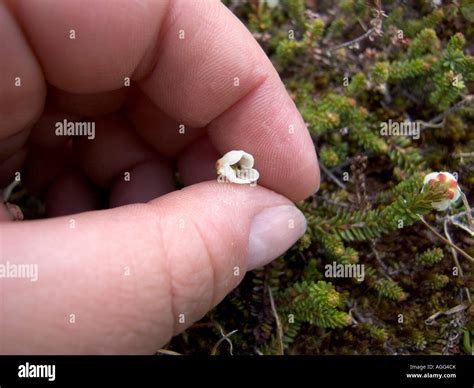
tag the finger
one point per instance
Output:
(12, 144)
(22, 87)
(5, 214)
(113, 149)
(92, 46)
(125, 280)
(43, 132)
(166, 135)
(91, 104)
(145, 181)
(44, 165)
(198, 74)
(197, 163)
(70, 193)
(10, 167)
(10, 212)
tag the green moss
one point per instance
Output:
(389, 289)
(430, 256)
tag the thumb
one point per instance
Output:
(126, 280)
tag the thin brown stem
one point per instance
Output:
(456, 261)
(354, 41)
(459, 250)
(281, 350)
(468, 210)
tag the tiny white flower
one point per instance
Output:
(454, 191)
(237, 167)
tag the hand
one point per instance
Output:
(126, 279)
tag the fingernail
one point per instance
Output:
(272, 232)
(15, 212)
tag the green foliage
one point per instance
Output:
(304, 242)
(296, 9)
(418, 339)
(381, 72)
(467, 9)
(412, 27)
(430, 256)
(400, 70)
(328, 156)
(410, 185)
(335, 249)
(317, 303)
(436, 281)
(357, 85)
(287, 51)
(315, 30)
(389, 289)
(468, 341)
(425, 42)
(337, 27)
(375, 333)
(365, 225)
(448, 87)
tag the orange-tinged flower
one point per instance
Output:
(453, 193)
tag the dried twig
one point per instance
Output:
(225, 337)
(453, 251)
(438, 121)
(428, 124)
(168, 352)
(384, 268)
(281, 350)
(451, 311)
(334, 203)
(352, 42)
(357, 169)
(455, 257)
(376, 30)
(468, 210)
(454, 219)
(333, 177)
(462, 252)
(463, 155)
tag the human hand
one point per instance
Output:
(126, 279)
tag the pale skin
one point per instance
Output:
(129, 273)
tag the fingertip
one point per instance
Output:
(10, 212)
(197, 162)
